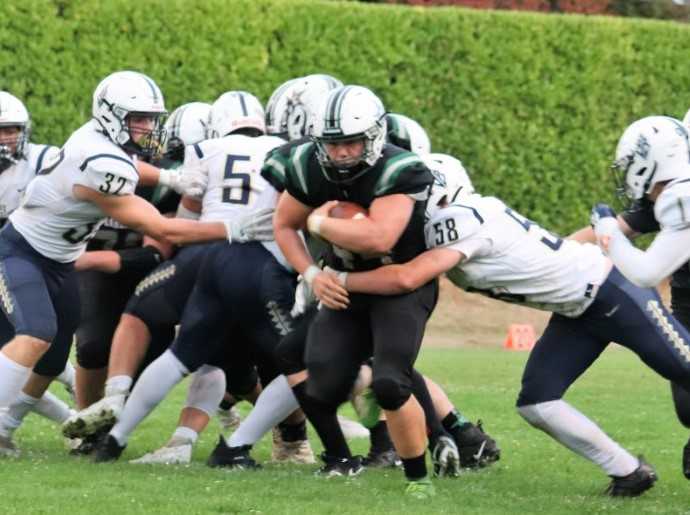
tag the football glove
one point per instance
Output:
(255, 226)
(603, 220)
(185, 181)
(304, 298)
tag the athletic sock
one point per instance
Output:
(453, 422)
(183, 435)
(325, 421)
(13, 417)
(118, 385)
(275, 402)
(67, 376)
(415, 468)
(154, 384)
(52, 408)
(293, 432)
(379, 438)
(13, 376)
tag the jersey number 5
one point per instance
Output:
(237, 181)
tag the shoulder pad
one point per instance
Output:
(672, 208)
(400, 168)
(39, 155)
(451, 225)
(109, 174)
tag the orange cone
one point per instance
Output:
(520, 337)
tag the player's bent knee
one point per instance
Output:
(390, 392)
(35, 343)
(206, 389)
(93, 354)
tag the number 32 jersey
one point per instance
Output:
(513, 259)
(50, 218)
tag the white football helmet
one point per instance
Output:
(450, 181)
(686, 120)
(236, 110)
(277, 109)
(187, 125)
(13, 113)
(306, 95)
(406, 133)
(126, 93)
(349, 113)
(651, 150)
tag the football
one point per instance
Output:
(345, 209)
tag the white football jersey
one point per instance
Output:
(235, 186)
(513, 259)
(13, 180)
(233, 165)
(50, 218)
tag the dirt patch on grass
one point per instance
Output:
(469, 319)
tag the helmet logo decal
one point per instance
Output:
(642, 147)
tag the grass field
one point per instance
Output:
(535, 475)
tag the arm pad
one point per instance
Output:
(140, 259)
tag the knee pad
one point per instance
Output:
(92, 354)
(390, 392)
(206, 389)
(327, 388)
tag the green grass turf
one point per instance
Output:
(535, 475)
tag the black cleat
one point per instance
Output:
(334, 466)
(88, 444)
(382, 459)
(686, 460)
(107, 450)
(232, 457)
(476, 448)
(635, 483)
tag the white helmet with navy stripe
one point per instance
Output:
(236, 110)
(277, 109)
(306, 95)
(13, 113)
(450, 180)
(406, 133)
(651, 150)
(350, 113)
(126, 93)
(187, 125)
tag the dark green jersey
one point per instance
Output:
(397, 171)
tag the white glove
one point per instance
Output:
(255, 226)
(342, 276)
(185, 181)
(304, 297)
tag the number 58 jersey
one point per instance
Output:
(233, 165)
(511, 258)
(50, 218)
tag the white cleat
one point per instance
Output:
(7, 448)
(352, 429)
(90, 420)
(298, 452)
(179, 454)
(229, 419)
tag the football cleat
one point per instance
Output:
(298, 452)
(635, 483)
(352, 429)
(421, 489)
(167, 455)
(336, 467)
(90, 420)
(382, 459)
(229, 419)
(476, 448)
(8, 449)
(445, 457)
(87, 445)
(237, 458)
(108, 449)
(367, 408)
(686, 460)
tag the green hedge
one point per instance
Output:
(532, 104)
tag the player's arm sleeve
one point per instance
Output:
(297, 177)
(108, 175)
(273, 169)
(669, 250)
(399, 279)
(405, 173)
(640, 217)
